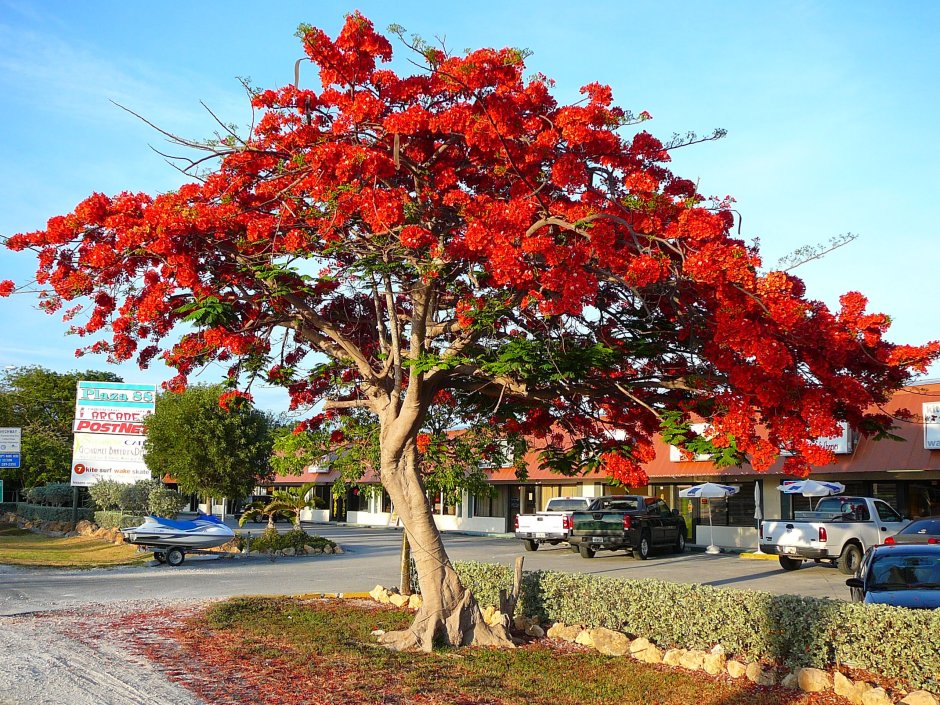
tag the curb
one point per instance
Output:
(759, 556)
(333, 595)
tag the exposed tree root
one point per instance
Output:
(461, 625)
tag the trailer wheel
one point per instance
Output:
(849, 560)
(175, 556)
(790, 563)
(159, 556)
(586, 551)
(575, 549)
(531, 545)
(642, 551)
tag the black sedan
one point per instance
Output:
(926, 530)
(904, 575)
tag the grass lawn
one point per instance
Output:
(22, 547)
(280, 651)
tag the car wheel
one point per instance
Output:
(175, 556)
(790, 563)
(680, 542)
(159, 556)
(530, 545)
(642, 551)
(850, 559)
(586, 551)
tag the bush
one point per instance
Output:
(164, 502)
(792, 630)
(135, 498)
(106, 494)
(117, 520)
(271, 541)
(8, 507)
(36, 512)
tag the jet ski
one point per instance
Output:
(171, 539)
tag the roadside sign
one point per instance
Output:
(10, 439)
(109, 432)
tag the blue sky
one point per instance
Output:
(831, 110)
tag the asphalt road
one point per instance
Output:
(370, 558)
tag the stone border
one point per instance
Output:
(714, 662)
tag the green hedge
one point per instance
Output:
(792, 630)
(117, 520)
(271, 540)
(37, 512)
(8, 507)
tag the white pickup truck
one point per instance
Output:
(552, 525)
(840, 529)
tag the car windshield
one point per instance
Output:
(901, 572)
(620, 503)
(566, 505)
(929, 527)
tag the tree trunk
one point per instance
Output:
(404, 586)
(449, 615)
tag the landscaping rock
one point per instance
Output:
(609, 642)
(651, 655)
(672, 657)
(876, 696)
(919, 697)
(535, 630)
(414, 602)
(554, 630)
(713, 663)
(791, 680)
(584, 638)
(861, 687)
(845, 687)
(736, 669)
(813, 680)
(638, 645)
(756, 674)
(693, 659)
(398, 600)
(289, 551)
(336, 549)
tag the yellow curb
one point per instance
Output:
(759, 556)
(335, 595)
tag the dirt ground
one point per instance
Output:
(84, 657)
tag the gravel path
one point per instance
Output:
(86, 656)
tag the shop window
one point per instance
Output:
(736, 510)
(486, 505)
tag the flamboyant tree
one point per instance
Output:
(387, 237)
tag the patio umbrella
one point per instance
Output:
(812, 488)
(710, 490)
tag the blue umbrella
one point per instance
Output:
(710, 490)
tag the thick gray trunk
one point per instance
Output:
(449, 615)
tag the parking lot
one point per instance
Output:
(370, 558)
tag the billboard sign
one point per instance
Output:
(109, 432)
(97, 456)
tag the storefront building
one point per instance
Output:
(905, 473)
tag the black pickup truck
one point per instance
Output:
(630, 522)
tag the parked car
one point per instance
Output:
(631, 522)
(839, 530)
(550, 526)
(926, 530)
(904, 575)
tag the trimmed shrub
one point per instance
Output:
(271, 541)
(36, 512)
(135, 498)
(117, 520)
(106, 494)
(8, 507)
(164, 502)
(792, 630)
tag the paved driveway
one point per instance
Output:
(372, 557)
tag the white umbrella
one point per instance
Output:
(812, 488)
(710, 490)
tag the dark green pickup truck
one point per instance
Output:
(630, 522)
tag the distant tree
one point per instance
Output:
(210, 447)
(293, 500)
(42, 403)
(267, 508)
